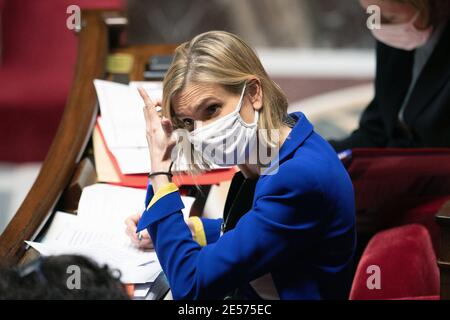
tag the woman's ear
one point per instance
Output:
(255, 94)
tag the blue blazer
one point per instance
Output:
(300, 231)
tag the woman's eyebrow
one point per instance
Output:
(202, 102)
(197, 106)
(387, 16)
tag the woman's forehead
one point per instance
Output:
(192, 95)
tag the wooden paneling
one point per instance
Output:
(69, 143)
(68, 166)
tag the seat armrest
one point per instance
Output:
(443, 220)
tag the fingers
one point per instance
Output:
(145, 235)
(152, 110)
(167, 126)
(147, 100)
(133, 219)
(131, 223)
(145, 244)
(150, 114)
(131, 229)
(158, 108)
(158, 102)
(146, 241)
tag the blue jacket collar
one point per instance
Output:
(299, 133)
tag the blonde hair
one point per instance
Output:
(219, 57)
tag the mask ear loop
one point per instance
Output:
(414, 18)
(241, 99)
(256, 112)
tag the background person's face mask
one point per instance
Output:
(228, 140)
(403, 35)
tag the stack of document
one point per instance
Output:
(98, 232)
(123, 124)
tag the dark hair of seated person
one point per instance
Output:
(47, 278)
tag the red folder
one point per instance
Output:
(390, 181)
(140, 180)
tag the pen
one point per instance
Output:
(345, 155)
(139, 235)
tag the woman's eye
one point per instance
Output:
(212, 109)
(388, 19)
(188, 123)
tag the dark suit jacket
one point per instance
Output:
(427, 114)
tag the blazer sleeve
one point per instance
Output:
(212, 228)
(371, 132)
(263, 238)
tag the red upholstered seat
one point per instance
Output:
(38, 63)
(424, 214)
(407, 262)
(436, 297)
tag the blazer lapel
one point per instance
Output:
(434, 75)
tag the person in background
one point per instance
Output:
(47, 278)
(411, 107)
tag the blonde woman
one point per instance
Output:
(289, 230)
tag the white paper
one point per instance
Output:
(61, 221)
(141, 290)
(104, 255)
(121, 109)
(98, 232)
(154, 89)
(84, 233)
(132, 160)
(111, 203)
(123, 124)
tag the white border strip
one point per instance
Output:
(320, 63)
(334, 102)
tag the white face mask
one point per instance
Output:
(403, 35)
(227, 141)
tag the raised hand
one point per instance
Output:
(159, 134)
